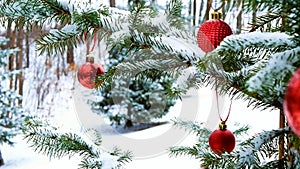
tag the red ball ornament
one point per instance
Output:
(221, 140)
(87, 73)
(291, 103)
(212, 32)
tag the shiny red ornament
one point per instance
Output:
(291, 103)
(221, 140)
(212, 32)
(87, 73)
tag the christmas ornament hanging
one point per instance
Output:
(292, 103)
(88, 71)
(221, 140)
(212, 32)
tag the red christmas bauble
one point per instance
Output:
(211, 33)
(87, 73)
(292, 103)
(221, 140)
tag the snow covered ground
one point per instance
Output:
(68, 116)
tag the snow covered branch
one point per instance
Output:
(56, 144)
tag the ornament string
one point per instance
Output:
(86, 43)
(216, 8)
(218, 109)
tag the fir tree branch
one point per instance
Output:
(159, 64)
(259, 147)
(173, 12)
(263, 20)
(241, 131)
(260, 40)
(193, 127)
(59, 40)
(183, 151)
(57, 145)
(34, 11)
(248, 56)
(183, 49)
(262, 5)
(275, 75)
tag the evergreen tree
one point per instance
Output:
(253, 66)
(10, 112)
(132, 100)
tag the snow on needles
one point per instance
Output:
(90, 5)
(81, 5)
(278, 65)
(264, 39)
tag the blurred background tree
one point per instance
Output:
(11, 113)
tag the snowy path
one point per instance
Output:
(69, 117)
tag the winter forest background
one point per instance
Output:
(46, 86)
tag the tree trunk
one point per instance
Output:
(190, 12)
(19, 63)
(11, 59)
(281, 139)
(201, 9)
(194, 12)
(11, 34)
(239, 16)
(58, 68)
(112, 3)
(70, 55)
(128, 122)
(8, 32)
(27, 48)
(254, 14)
(206, 16)
(1, 159)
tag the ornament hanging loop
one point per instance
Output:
(216, 8)
(89, 50)
(223, 122)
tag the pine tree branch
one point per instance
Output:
(257, 148)
(262, 5)
(57, 41)
(174, 12)
(183, 151)
(259, 151)
(158, 64)
(34, 11)
(193, 127)
(240, 58)
(263, 20)
(275, 75)
(57, 145)
(184, 50)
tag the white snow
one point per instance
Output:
(279, 64)
(263, 38)
(22, 157)
(82, 5)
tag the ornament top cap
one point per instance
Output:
(222, 126)
(90, 58)
(216, 15)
